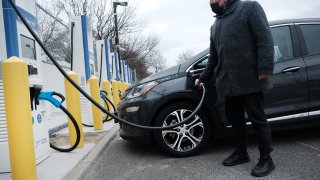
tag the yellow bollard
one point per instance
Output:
(95, 94)
(73, 104)
(123, 87)
(19, 119)
(106, 87)
(120, 86)
(115, 93)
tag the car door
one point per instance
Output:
(309, 35)
(194, 72)
(288, 99)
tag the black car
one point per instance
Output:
(169, 96)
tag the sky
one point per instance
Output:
(185, 24)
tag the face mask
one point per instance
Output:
(217, 9)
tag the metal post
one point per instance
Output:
(115, 4)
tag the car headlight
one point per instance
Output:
(141, 89)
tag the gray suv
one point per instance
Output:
(168, 96)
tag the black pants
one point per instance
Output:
(252, 104)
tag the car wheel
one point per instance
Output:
(186, 139)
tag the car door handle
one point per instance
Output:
(291, 69)
(196, 72)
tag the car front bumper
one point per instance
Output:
(137, 111)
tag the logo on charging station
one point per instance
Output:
(39, 118)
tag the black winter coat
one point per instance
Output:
(241, 47)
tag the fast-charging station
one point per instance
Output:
(15, 40)
(83, 59)
(115, 67)
(104, 59)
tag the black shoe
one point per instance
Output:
(237, 157)
(264, 167)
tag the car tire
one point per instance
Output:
(184, 140)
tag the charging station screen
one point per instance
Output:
(28, 47)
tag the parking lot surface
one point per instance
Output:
(296, 155)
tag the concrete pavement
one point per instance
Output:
(296, 155)
(73, 165)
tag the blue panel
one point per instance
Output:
(32, 20)
(106, 49)
(128, 75)
(123, 71)
(117, 66)
(85, 46)
(10, 26)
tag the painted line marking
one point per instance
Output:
(309, 146)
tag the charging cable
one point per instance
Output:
(48, 96)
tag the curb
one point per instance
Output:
(84, 165)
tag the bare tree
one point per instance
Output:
(137, 46)
(55, 35)
(100, 13)
(184, 56)
(156, 61)
(137, 49)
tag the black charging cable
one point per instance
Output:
(103, 95)
(48, 96)
(97, 104)
(107, 101)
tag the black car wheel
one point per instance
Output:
(184, 140)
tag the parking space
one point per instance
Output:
(296, 155)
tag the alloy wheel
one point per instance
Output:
(185, 137)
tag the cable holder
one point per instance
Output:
(49, 96)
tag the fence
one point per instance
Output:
(56, 37)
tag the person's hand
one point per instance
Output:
(197, 83)
(263, 76)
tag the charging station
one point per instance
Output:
(129, 75)
(103, 59)
(15, 40)
(126, 72)
(123, 70)
(115, 67)
(83, 60)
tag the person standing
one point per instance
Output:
(242, 59)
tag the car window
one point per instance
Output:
(201, 64)
(311, 34)
(283, 49)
